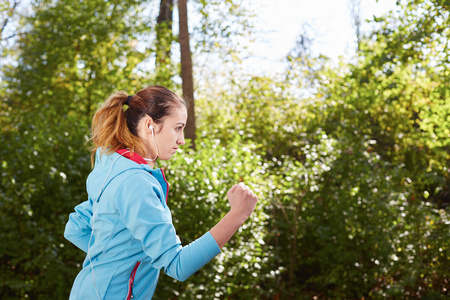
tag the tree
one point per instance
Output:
(386, 114)
(8, 11)
(219, 21)
(186, 70)
(164, 38)
(355, 12)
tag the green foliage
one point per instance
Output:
(222, 24)
(384, 199)
(397, 94)
(355, 219)
(262, 111)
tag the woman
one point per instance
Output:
(125, 226)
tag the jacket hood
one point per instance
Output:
(107, 167)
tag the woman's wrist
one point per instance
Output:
(227, 226)
(237, 216)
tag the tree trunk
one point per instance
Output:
(355, 12)
(164, 38)
(186, 70)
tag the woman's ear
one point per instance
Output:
(149, 124)
(144, 126)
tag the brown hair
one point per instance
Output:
(114, 129)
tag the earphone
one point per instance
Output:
(150, 127)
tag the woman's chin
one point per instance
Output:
(165, 157)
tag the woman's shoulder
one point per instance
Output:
(139, 178)
(139, 186)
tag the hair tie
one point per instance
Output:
(127, 103)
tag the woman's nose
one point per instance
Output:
(181, 140)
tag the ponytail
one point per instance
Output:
(110, 130)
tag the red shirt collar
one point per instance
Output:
(133, 156)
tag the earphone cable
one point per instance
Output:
(156, 146)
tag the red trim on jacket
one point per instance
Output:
(131, 281)
(133, 156)
(167, 191)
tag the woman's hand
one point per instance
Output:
(242, 201)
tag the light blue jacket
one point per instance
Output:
(131, 223)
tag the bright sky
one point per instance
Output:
(280, 22)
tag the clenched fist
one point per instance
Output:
(242, 200)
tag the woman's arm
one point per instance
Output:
(138, 201)
(242, 202)
(78, 228)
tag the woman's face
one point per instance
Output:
(169, 135)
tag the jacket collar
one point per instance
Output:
(157, 173)
(133, 156)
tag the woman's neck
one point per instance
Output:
(150, 161)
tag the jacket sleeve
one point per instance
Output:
(78, 229)
(138, 201)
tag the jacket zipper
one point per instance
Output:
(131, 282)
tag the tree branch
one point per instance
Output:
(10, 13)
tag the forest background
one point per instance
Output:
(350, 160)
